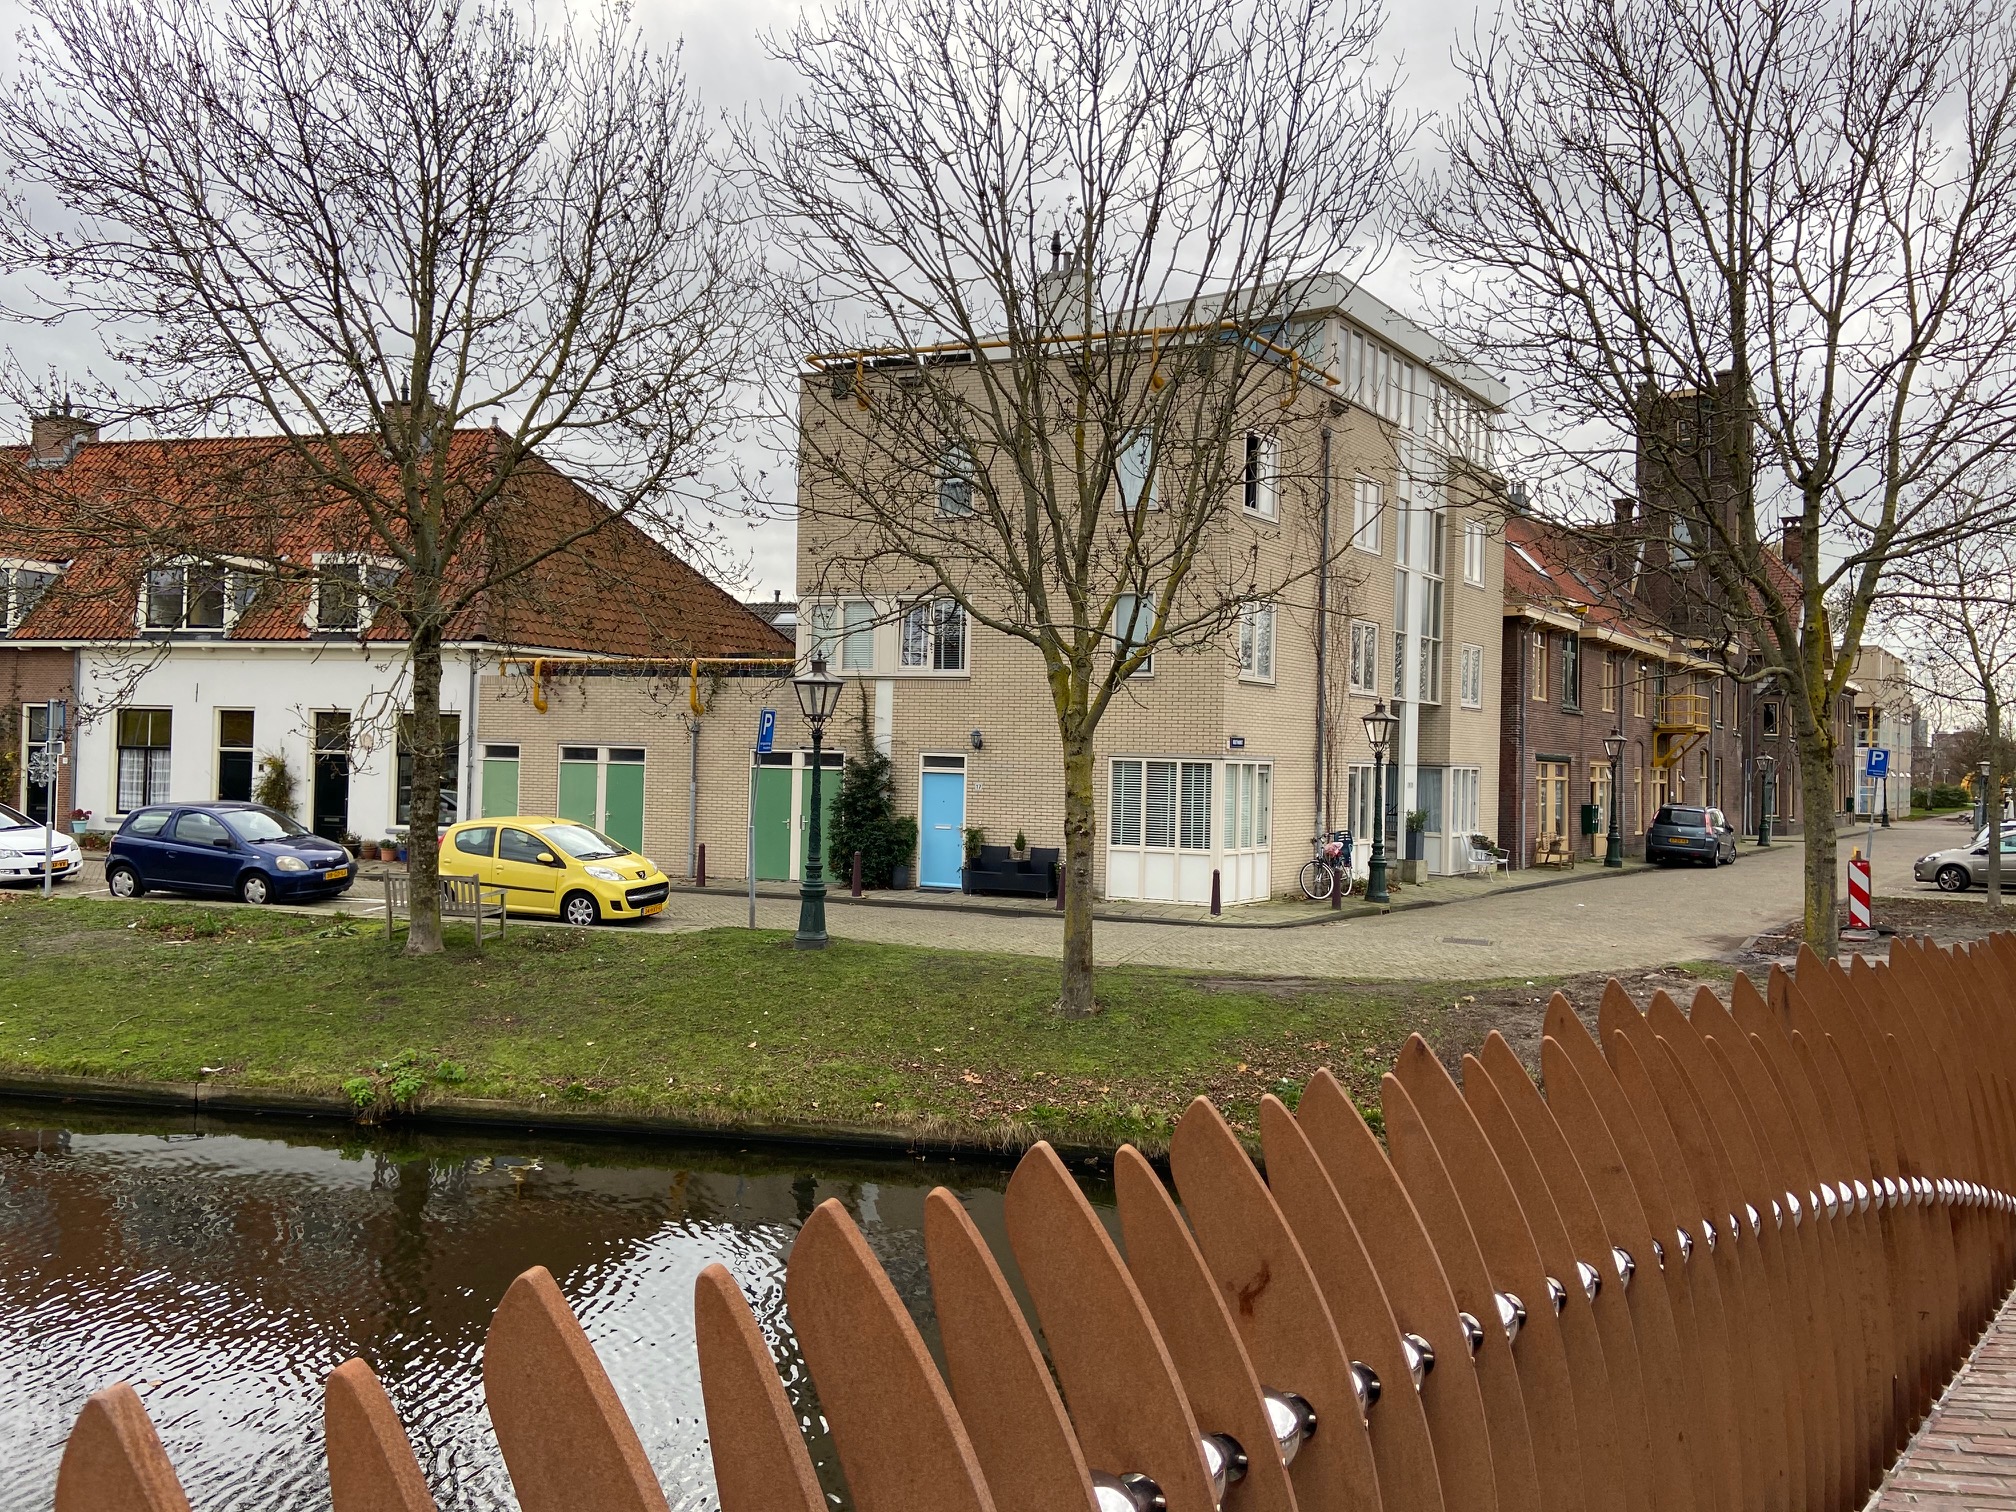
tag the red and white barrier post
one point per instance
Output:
(1859, 916)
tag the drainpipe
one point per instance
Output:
(1323, 641)
(469, 766)
(1524, 759)
(692, 723)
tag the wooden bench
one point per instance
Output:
(1552, 850)
(461, 898)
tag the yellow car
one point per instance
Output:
(555, 866)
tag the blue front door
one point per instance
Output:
(941, 845)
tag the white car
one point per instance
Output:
(21, 853)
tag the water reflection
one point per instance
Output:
(224, 1268)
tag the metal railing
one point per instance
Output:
(1726, 1259)
(1682, 711)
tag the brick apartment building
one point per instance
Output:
(1582, 662)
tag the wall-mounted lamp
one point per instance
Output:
(978, 742)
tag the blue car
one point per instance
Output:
(245, 850)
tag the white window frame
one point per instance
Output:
(238, 587)
(1134, 472)
(11, 568)
(1368, 507)
(1474, 536)
(367, 607)
(956, 470)
(829, 635)
(1256, 643)
(857, 637)
(1364, 659)
(149, 798)
(1472, 691)
(921, 633)
(1260, 494)
(1127, 612)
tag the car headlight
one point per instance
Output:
(603, 873)
(10, 855)
(290, 863)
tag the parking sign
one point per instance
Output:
(1879, 762)
(766, 731)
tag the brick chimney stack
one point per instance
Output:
(1624, 507)
(1792, 539)
(53, 438)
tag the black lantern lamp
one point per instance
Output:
(818, 696)
(1613, 850)
(1379, 728)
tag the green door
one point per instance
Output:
(623, 798)
(500, 781)
(772, 809)
(580, 774)
(829, 792)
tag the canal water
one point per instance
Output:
(222, 1268)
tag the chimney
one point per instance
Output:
(1625, 507)
(53, 438)
(1792, 539)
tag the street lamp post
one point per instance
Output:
(1765, 765)
(1379, 728)
(818, 695)
(1613, 851)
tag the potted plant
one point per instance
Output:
(368, 851)
(352, 844)
(80, 820)
(1417, 834)
(976, 836)
(1021, 851)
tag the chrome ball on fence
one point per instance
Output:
(1792, 1202)
(1473, 1332)
(1626, 1266)
(1828, 1205)
(1292, 1420)
(1365, 1382)
(1420, 1357)
(1224, 1462)
(1127, 1493)
(1590, 1277)
(1708, 1234)
(1861, 1196)
(1756, 1221)
(1511, 1315)
(1558, 1295)
(1686, 1242)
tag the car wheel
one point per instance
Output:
(1952, 879)
(580, 910)
(123, 881)
(253, 888)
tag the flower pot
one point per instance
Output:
(1417, 845)
(402, 853)
(367, 852)
(899, 876)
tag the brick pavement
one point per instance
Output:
(1964, 1457)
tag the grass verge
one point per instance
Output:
(727, 1027)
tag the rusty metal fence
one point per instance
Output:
(1726, 1259)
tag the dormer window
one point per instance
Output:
(22, 585)
(349, 590)
(195, 596)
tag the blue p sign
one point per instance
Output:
(1879, 762)
(766, 731)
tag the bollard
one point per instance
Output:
(700, 866)
(1062, 872)
(1337, 890)
(1215, 910)
(857, 874)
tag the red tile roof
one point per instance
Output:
(600, 585)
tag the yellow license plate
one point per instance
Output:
(56, 866)
(650, 908)
(338, 873)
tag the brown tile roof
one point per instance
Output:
(604, 586)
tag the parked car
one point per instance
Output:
(555, 866)
(1964, 866)
(1681, 832)
(243, 850)
(22, 854)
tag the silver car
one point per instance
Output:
(1965, 866)
(21, 855)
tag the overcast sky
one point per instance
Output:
(725, 58)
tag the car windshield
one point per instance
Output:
(11, 818)
(583, 843)
(259, 824)
(1683, 818)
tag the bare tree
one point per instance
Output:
(1759, 254)
(1955, 607)
(428, 244)
(1054, 257)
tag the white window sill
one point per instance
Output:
(1253, 681)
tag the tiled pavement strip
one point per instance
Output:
(1638, 920)
(1964, 1457)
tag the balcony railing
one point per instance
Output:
(1683, 711)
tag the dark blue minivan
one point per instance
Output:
(253, 853)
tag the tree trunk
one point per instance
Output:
(1076, 1000)
(423, 741)
(1822, 927)
(1991, 804)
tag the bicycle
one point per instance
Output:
(1328, 872)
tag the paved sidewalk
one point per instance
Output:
(1964, 1458)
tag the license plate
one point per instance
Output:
(56, 866)
(650, 908)
(338, 873)
(1682, 840)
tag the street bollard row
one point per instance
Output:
(1718, 1258)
